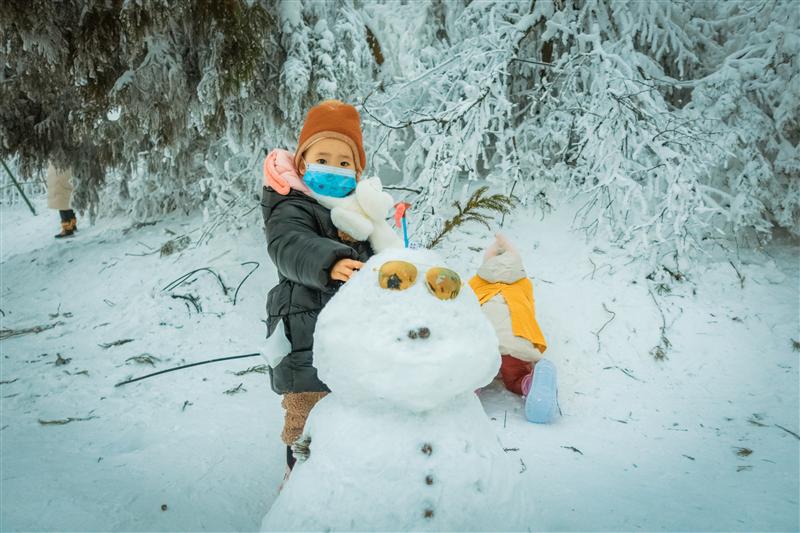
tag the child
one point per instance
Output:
(312, 256)
(506, 296)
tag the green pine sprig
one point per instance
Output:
(479, 208)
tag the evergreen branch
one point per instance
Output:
(477, 209)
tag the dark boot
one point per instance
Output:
(69, 224)
(69, 216)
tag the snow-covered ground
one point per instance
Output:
(705, 439)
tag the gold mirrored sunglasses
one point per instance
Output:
(442, 282)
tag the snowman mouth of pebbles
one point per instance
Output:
(409, 335)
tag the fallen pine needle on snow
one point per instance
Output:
(258, 369)
(8, 333)
(144, 359)
(573, 448)
(236, 293)
(235, 390)
(790, 432)
(738, 274)
(62, 421)
(607, 322)
(131, 380)
(179, 281)
(60, 361)
(120, 342)
(624, 371)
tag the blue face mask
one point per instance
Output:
(330, 181)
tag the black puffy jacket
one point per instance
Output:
(304, 245)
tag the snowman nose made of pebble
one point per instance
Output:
(419, 333)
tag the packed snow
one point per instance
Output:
(368, 346)
(372, 467)
(403, 439)
(679, 399)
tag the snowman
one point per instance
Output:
(402, 442)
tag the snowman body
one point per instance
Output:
(402, 442)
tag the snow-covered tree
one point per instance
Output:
(163, 105)
(674, 122)
(166, 71)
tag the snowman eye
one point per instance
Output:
(443, 283)
(397, 275)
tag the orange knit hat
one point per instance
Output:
(332, 119)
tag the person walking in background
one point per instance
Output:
(59, 194)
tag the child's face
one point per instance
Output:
(332, 152)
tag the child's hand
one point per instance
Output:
(344, 268)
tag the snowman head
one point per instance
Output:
(414, 341)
